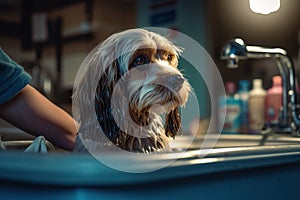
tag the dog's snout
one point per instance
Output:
(175, 81)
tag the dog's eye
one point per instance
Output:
(140, 60)
(170, 57)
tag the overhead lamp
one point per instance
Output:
(264, 6)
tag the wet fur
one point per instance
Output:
(110, 81)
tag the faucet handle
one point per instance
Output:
(233, 50)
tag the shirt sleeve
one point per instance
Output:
(13, 78)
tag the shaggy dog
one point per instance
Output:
(127, 83)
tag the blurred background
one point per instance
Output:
(50, 39)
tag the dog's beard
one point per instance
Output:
(156, 101)
(150, 95)
(159, 100)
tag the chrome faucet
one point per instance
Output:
(236, 49)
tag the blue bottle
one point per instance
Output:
(230, 106)
(243, 94)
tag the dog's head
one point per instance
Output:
(136, 79)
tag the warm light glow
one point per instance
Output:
(264, 6)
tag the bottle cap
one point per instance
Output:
(257, 83)
(277, 80)
(230, 88)
(244, 85)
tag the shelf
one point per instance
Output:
(66, 39)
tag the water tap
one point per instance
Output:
(235, 50)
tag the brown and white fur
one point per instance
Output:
(128, 81)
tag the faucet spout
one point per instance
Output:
(236, 49)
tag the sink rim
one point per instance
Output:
(83, 169)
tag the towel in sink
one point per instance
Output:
(37, 146)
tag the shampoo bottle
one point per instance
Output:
(273, 102)
(256, 106)
(243, 94)
(231, 106)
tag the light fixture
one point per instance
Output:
(264, 6)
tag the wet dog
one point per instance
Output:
(127, 83)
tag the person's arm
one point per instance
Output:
(32, 112)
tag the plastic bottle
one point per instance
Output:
(256, 106)
(243, 94)
(273, 102)
(232, 106)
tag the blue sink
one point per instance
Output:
(243, 170)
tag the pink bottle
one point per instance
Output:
(273, 101)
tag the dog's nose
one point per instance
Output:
(175, 82)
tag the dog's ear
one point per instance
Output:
(173, 123)
(103, 96)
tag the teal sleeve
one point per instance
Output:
(13, 78)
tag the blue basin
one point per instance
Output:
(255, 172)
